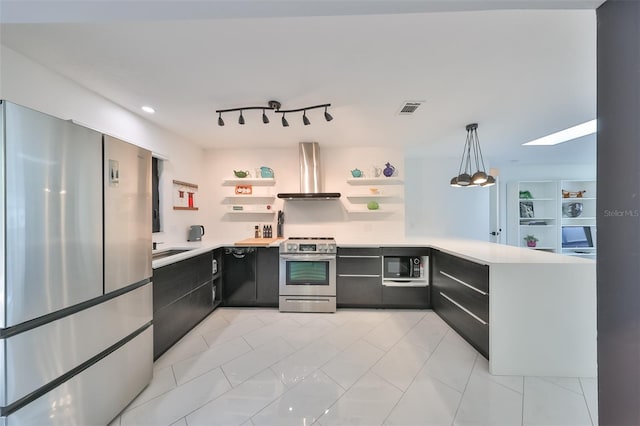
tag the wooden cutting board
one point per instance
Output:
(256, 242)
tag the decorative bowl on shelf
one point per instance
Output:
(572, 209)
(373, 205)
(241, 173)
(374, 191)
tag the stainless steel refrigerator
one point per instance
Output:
(75, 271)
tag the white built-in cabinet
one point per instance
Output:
(561, 215)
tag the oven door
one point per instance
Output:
(307, 275)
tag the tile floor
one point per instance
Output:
(256, 367)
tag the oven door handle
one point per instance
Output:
(306, 257)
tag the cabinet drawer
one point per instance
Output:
(173, 281)
(470, 328)
(471, 273)
(359, 291)
(476, 301)
(365, 261)
(175, 320)
(406, 297)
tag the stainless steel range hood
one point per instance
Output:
(310, 176)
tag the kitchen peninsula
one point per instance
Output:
(541, 306)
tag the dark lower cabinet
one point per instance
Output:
(183, 294)
(250, 276)
(406, 297)
(460, 296)
(267, 276)
(359, 278)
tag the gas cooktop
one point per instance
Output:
(308, 245)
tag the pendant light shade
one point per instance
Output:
(285, 123)
(472, 160)
(265, 119)
(241, 119)
(220, 120)
(305, 120)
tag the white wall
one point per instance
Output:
(304, 218)
(27, 83)
(435, 209)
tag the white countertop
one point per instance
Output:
(477, 251)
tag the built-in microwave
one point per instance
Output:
(411, 270)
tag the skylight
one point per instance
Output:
(565, 135)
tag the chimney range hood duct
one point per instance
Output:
(310, 176)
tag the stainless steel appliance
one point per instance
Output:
(310, 176)
(75, 268)
(195, 233)
(308, 275)
(405, 271)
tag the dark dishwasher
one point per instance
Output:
(239, 276)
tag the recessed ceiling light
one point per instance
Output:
(148, 109)
(565, 135)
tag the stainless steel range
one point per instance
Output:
(308, 274)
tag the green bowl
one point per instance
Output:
(373, 205)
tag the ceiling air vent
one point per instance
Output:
(409, 107)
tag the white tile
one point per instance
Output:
(426, 402)
(401, 364)
(235, 329)
(451, 363)
(188, 346)
(347, 334)
(389, 332)
(233, 315)
(488, 403)
(303, 362)
(270, 331)
(177, 403)
(481, 368)
(312, 331)
(368, 402)
(212, 322)
(348, 366)
(569, 383)
(409, 316)
(303, 404)
(546, 403)
(162, 382)
(241, 402)
(181, 422)
(251, 363)
(213, 357)
(590, 390)
(428, 333)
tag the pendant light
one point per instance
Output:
(241, 119)
(472, 158)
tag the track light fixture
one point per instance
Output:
(275, 107)
(472, 156)
(327, 116)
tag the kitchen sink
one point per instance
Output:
(167, 253)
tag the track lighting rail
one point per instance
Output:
(275, 107)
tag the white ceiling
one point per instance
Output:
(519, 73)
